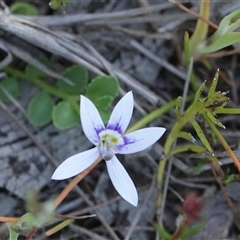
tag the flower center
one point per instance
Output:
(109, 140)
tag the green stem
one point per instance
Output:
(152, 116)
(200, 32)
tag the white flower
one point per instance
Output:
(109, 141)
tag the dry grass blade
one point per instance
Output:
(140, 211)
(77, 18)
(86, 232)
(28, 58)
(47, 40)
(8, 59)
(159, 61)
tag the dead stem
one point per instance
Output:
(73, 183)
(213, 25)
(8, 219)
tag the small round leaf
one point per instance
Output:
(34, 72)
(105, 115)
(64, 116)
(40, 109)
(104, 102)
(24, 9)
(102, 86)
(76, 74)
(12, 86)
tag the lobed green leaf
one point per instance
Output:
(64, 116)
(34, 72)
(102, 86)
(78, 75)
(12, 86)
(104, 102)
(24, 8)
(40, 109)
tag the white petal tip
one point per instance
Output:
(122, 181)
(57, 176)
(135, 203)
(132, 198)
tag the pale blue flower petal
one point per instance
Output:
(121, 181)
(121, 114)
(92, 123)
(76, 164)
(140, 140)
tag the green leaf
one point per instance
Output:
(13, 235)
(228, 24)
(201, 29)
(105, 115)
(64, 116)
(186, 135)
(78, 75)
(102, 86)
(214, 120)
(201, 135)
(229, 179)
(63, 224)
(178, 108)
(12, 86)
(104, 102)
(221, 42)
(213, 86)
(186, 52)
(35, 72)
(193, 231)
(162, 232)
(226, 111)
(200, 164)
(27, 221)
(40, 109)
(199, 92)
(186, 148)
(42, 212)
(55, 4)
(23, 8)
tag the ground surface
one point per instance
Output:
(140, 45)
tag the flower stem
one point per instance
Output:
(73, 183)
